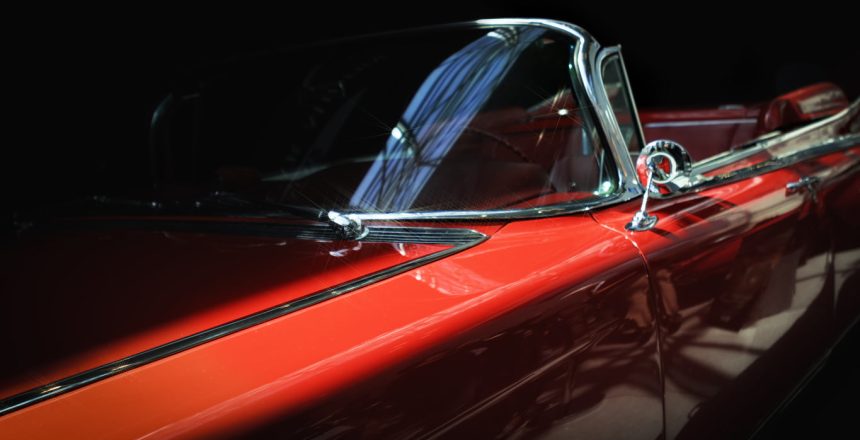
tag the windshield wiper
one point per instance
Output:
(220, 200)
(346, 226)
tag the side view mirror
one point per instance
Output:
(664, 167)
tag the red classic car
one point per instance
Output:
(445, 232)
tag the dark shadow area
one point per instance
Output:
(83, 85)
(122, 291)
(84, 82)
(827, 406)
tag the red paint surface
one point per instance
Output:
(742, 277)
(89, 296)
(497, 332)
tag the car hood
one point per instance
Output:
(81, 294)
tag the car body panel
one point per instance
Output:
(559, 288)
(744, 276)
(100, 290)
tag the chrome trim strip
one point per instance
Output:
(701, 122)
(314, 231)
(497, 214)
(82, 379)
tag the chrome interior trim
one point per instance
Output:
(300, 231)
(702, 122)
(82, 379)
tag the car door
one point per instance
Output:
(838, 193)
(741, 271)
(741, 276)
(841, 200)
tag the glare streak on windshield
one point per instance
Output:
(442, 108)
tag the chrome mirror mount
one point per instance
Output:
(642, 221)
(661, 164)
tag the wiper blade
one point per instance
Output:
(346, 226)
(222, 200)
(88, 204)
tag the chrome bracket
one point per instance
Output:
(346, 226)
(642, 221)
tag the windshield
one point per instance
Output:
(463, 119)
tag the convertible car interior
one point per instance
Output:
(707, 132)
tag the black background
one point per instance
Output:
(81, 84)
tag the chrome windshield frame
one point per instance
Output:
(584, 70)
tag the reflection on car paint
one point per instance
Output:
(746, 296)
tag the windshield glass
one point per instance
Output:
(463, 119)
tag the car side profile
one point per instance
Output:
(460, 230)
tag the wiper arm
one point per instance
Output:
(84, 205)
(345, 226)
(228, 200)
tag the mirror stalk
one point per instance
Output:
(641, 220)
(662, 161)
